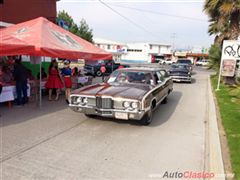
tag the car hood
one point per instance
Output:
(129, 91)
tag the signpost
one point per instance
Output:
(230, 54)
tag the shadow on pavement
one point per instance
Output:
(29, 111)
(164, 111)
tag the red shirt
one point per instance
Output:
(103, 69)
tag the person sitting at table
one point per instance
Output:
(30, 75)
(6, 75)
(43, 74)
(54, 80)
(20, 76)
(66, 73)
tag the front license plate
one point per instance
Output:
(120, 115)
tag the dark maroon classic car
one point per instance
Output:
(130, 93)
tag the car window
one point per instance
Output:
(160, 76)
(130, 77)
(179, 66)
(113, 77)
(184, 61)
(164, 73)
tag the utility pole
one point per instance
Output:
(173, 41)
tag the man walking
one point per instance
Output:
(20, 76)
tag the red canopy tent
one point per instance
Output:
(11, 45)
(40, 37)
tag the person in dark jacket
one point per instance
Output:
(20, 75)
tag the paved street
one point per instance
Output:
(56, 143)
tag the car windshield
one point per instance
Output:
(130, 77)
(184, 61)
(179, 66)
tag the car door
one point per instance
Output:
(166, 81)
(159, 88)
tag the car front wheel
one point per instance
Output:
(147, 118)
(99, 73)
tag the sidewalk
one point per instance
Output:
(214, 152)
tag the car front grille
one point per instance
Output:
(104, 103)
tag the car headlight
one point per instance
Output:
(85, 100)
(79, 100)
(126, 104)
(75, 100)
(134, 105)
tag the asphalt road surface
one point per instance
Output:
(56, 143)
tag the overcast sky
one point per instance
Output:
(181, 22)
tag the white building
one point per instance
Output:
(146, 52)
(116, 48)
(135, 52)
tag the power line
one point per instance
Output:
(127, 19)
(158, 13)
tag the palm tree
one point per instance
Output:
(224, 24)
(224, 18)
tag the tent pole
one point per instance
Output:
(40, 80)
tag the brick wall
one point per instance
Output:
(16, 11)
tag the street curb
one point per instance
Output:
(214, 147)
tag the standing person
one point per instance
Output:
(75, 71)
(66, 73)
(103, 70)
(20, 75)
(54, 80)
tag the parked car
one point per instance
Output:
(186, 62)
(202, 62)
(93, 67)
(129, 93)
(167, 62)
(180, 73)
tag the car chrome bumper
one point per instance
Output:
(181, 79)
(113, 113)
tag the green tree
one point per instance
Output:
(82, 30)
(63, 15)
(214, 57)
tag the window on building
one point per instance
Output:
(108, 46)
(150, 46)
(134, 50)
